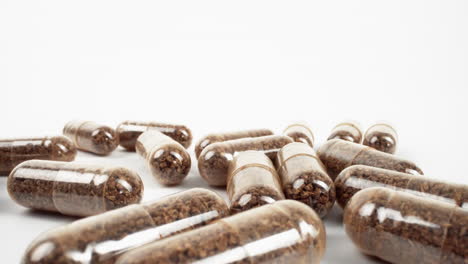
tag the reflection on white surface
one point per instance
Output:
(277, 241)
(394, 215)
(228, 256)
(367, 209)
(42, 251)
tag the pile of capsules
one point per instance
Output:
(279, 188)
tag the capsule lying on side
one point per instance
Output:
(349, 131)
(300, 133)
(72, 188)
(402, 228)
(15, 151)
(92, 137)
(102, 238)
(382, 137)
(338, 154)
(282, 232)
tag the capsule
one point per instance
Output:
(102, 238)
(15, 151)
(349, 131)
(214, 160)
(252, 181)
(402, 228)
(168, 161)
(282, 232)
(338, 154)
(92, 137)
(220, 137)
(382, 137)
(300, 133)
(304, 177)
(129, 131)
(72, 188)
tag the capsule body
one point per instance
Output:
(214, 161)
(382, 137)
(220, 137)
(282, 232)
(129, 131)
(92, 137)
(15, 151)
(102, 238)
(338, 154)
(349, 131)
(304, 178)
(168, 161)
(252, 181)
(300, 133)
(72, 188)
(404, 228)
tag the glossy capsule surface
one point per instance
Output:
(220, 137)
(349, 131)
(73, 188)
(15, 151)
(304, 178)
(282, 232)
(129, 131)
(92, 137)
(338, 154)
(214, 161)
(168, 161)
(252, 181)
(300, 133)
(382, 137)
(102, 238)
(403, 228)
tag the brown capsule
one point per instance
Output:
(300, 133)
(15, 151)
(168, 161)
(304, 177)
(338, 154)
(92, 137)
(214, 160)
(129, 131)
(220, 137)
(73, 189)
(101, 239)
(402, 228)
(282, 232)
(349, 131)
(252, 181)
(382, 137)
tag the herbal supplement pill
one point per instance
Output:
(338, 154)
(129, 131)
(15, 151)
(300, 133)
(382, 137)
(349, 131)
(214, 160)
(73, 189)
(252, 181)
(220, 137)
(168, 161)
(358, 177)
(402, 228)
(304, 177)
(282, 232)
(102, 238)
(92, 137)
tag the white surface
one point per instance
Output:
(220, 66)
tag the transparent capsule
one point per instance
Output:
(214, 160)
(349, 131)
(168, 161)
(220, 137)
(304, 177)
(282, 232)
(129, 131)
(102, 238)
(402, 228)
(300, 133)
(15, 151)
(252, 181)
(72, 188)
(338, 154)
(92, 137)
(382, 137)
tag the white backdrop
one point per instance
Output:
(220, 66)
